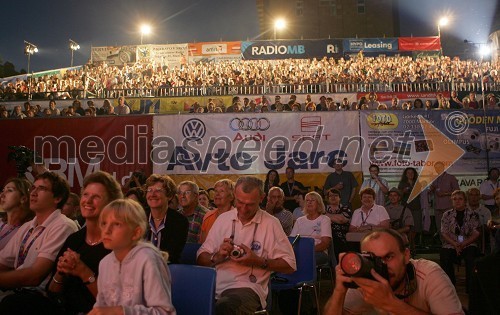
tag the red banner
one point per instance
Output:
(419, 43)
(76, 147)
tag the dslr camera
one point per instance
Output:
(237, 251)
(360, 264)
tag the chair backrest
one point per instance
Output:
(193, 289)
(306, 261)
(188, 255)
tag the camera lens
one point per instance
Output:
(351, 263)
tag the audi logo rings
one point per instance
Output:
(249, 124)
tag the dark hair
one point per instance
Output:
(60, 186)
(276, 181)
(375, 166)
(167, 183)
(375, 234)
(367, 191)
(113, 189)
(491, 171)
(333, 191)
(139, 193)
(404, 178)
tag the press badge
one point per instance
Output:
(460, 238)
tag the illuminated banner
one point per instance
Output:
(295, 49)
(252, 143)
(76, 147)
(396, 140)
(114, 55)
(370, 44)
(165, 55)
(419, 43)
(214, 48)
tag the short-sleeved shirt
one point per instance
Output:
(379, 194)
(264, 235)
(488, 188)
(435, 293)
(339, 231)
(374, 216)
(48, 238)
(395, 213)
(450, 226)
(286, 220)
(317, 228)
(195, 221)
(347, 179)
(208, 221)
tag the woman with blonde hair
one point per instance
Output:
(315, 224)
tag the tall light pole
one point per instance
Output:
(442, 22)
(29, 49)
(73, 46)
(145, 30)
(279, 24)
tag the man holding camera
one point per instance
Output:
(413, 286)
(245, 245)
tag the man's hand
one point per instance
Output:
(340, 278)
(376, 292)
(249, 259)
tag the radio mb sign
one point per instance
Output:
(279, 50)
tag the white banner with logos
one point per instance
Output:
(165, 55)
(251, 143)
(114, 55)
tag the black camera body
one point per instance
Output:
(237, 251)
(355, 264)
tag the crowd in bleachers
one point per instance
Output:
(92, 80)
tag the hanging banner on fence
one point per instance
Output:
(214, 58)
(386, 97)
(419, 43)
(370, 44)
(397, 140)
(269, 99)
(114, 55)
(295, 49)
(252, 143)
(214, 48)
(76, 147)
(173, 55)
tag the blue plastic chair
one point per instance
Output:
(193, 289)
(188, 255)
(305, 275)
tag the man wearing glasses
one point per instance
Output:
(29, 257)
(187, 192)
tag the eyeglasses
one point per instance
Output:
(39, 188)
(185, 193)
(155, 190)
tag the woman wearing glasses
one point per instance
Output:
(167, 228)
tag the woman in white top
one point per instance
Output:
(316, 225)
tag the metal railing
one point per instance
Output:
(214, 90)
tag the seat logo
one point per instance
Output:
(249, 124)
(194, 129)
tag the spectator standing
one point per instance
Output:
(122, 108)
(343, 181)
(340, 217)
(442, 187)
(291, 188)
(455, 102)
(488, 187)
(400, 216)
(484, 215)
(377, 183)
(409, 182)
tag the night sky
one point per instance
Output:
(50, 24)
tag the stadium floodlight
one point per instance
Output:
(484, 50)
(73, 46)
(29, 49)
(279, 24)
(443, 21)
(145, 30)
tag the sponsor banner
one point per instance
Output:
(114, 55)
(166, 55)
(419, 43)
(295, 49)
(370, 44)
(386, 97)
(214, 58)
(252, 143)
(424, 54)
(396, 140)
(349, 55)
(76, 147)
(214, 48)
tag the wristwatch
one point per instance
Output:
(90, 280)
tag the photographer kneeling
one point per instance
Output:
(413, 286)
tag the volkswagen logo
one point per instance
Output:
(194, 129)
(249, 124)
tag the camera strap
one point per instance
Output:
(410, 282)
(253, 237)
